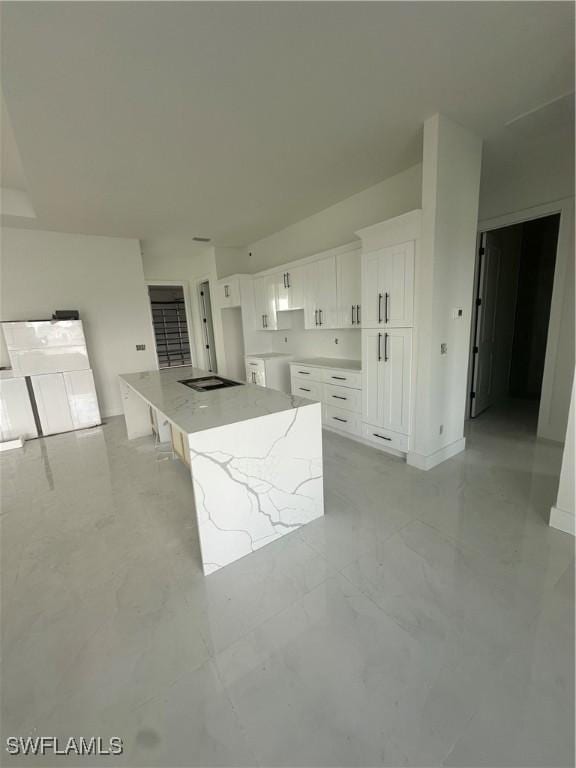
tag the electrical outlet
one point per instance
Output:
(443, 348)
(457, 314)
(140, 347)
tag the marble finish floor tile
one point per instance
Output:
(426, 620)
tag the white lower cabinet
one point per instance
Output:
(52, 403)
(338, 418)
(307, 388)
(338, 391)
(383, 438)
(255, 372)
(16, 415)
(387, 360)
(65, 401)
(82, 398)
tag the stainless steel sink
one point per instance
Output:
(209, 383)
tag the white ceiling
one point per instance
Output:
(233, 120)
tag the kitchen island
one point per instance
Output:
(255, 455)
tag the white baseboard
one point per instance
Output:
(420, 461)
(563, 520)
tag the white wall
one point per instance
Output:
(528, 177)
(101, 277)
(336, 225)
(562, 515)
(179, 259)
(444, 282)
(528, 172)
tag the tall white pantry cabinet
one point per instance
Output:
(388, 266)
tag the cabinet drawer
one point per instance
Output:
(384, 438)
(306, 372)
(343, 397)
(343, 378)
(343, 420)
(305, 388)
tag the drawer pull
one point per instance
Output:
(252, 363)
(340, 378)
(382, 437)
(339, 397)
(337, 418)
(305, 373)
(304, 389)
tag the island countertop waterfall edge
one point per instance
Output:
(255, 457)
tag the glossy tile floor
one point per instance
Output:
(427, 620)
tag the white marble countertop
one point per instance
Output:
(340, 363)
(193, 411)
(268, 355)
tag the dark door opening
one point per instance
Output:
(170, 324)
(512, 312)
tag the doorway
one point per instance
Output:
(207, 355)
(513, 296)
(170, 323)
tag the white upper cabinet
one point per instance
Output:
(228, 292)
(387, 361)
(388, 286)
(348, 281)
(291, 288)
(265, 300)
(320, 305)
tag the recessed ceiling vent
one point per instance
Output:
(201, 239)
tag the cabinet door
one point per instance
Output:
(82, 398)
(387, 360)
(326, 293)
(16, 416)
(52, 402)
(265, 302)
(348, 284)
(388, 287)
(372, 290)
(291, 288)
(320, 306)
(397, 266)
(228, 293)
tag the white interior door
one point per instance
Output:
(485, 336)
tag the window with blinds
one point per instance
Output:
(170, 325)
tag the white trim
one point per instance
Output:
(563, 520)
(185, 290)
(526, 214)
(420, 461)
(564, 207)
(353, 246)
